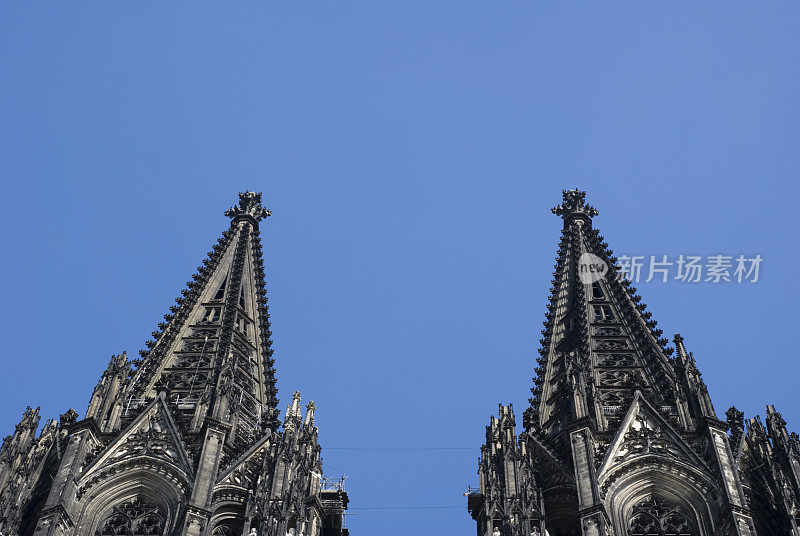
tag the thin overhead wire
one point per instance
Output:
(355, 510)
(400, 448)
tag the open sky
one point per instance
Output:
(411, 152)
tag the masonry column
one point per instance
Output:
(593, 519)
(56, 518)
(741, 518)
(198, 513)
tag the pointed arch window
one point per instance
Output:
(220, 294)
(597, 291)
(603, 313)
(656, 517)
(135, 517)
(241, 326)
(212, 314)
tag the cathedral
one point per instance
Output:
(621, 437)
(186, 440)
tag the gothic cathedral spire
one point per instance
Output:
(185, 441)
(621, 438)
(213, 353)
(600, 344)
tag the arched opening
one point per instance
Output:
(497, 525)
(137, 516)
(134, 502)
(38, 497)
(228, 520)
(653, 516)
(536, 525)
(561, 512)
(228, 528)
(662, 501)
(255, 526)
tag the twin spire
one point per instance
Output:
(294, 414)
(212, 356)
(599, 344)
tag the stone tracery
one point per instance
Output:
(653, 516)
(135, 517)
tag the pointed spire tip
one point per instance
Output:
(249, 206)
(574, 205)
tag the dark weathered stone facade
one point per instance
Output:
(185, 440)
(621, 437)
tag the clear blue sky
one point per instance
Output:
(411, 152)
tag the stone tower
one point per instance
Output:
(621, 437)
(187, 439)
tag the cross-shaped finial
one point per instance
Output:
(249, 205)
(574, 204)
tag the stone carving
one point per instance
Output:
(192, 361)
(612, 344)
(616, 360)
(656, 393)
(613, 398)
(615, 378)
(136, 517)
(149, 442)
(201, 398)
(198, 346)
(608, 331)
(574, 203)
(646, 437)
(249, 205)
(655, 517)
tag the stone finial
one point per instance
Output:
(296, 403)
(249, 206)
(574, 205)
(69, 417)
(30, 419)
(774, 418)
(735, 417)
(293, 411)
(117, 363)
(310, 408)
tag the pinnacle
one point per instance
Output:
(574, 205)
(249, 206)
